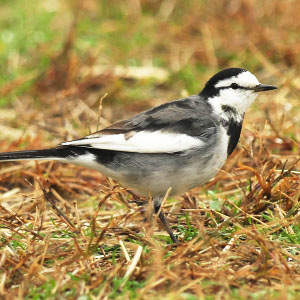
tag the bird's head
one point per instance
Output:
(234, 87)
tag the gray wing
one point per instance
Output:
(171, 127)
(190, 116)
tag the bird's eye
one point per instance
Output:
(234, 86)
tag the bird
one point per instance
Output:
(180, 144)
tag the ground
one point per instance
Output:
(71, 67)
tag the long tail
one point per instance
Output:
(45, 154)
(75, 155)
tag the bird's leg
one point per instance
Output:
(163, 219)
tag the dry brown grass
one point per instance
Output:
(68, 232)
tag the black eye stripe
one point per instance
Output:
(235, 87)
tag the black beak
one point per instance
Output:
(264, 87)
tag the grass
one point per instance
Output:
(69, 233)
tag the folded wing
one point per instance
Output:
(172, 127)
(142, 142)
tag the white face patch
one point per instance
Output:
(244, 79)
(239, 99)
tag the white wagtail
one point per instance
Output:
(180, 144)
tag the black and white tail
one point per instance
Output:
(45, 154)
(75, 155)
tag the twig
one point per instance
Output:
(127, 257)
(61, 215)
(100, 110)
(133, 264)
(164, 200)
